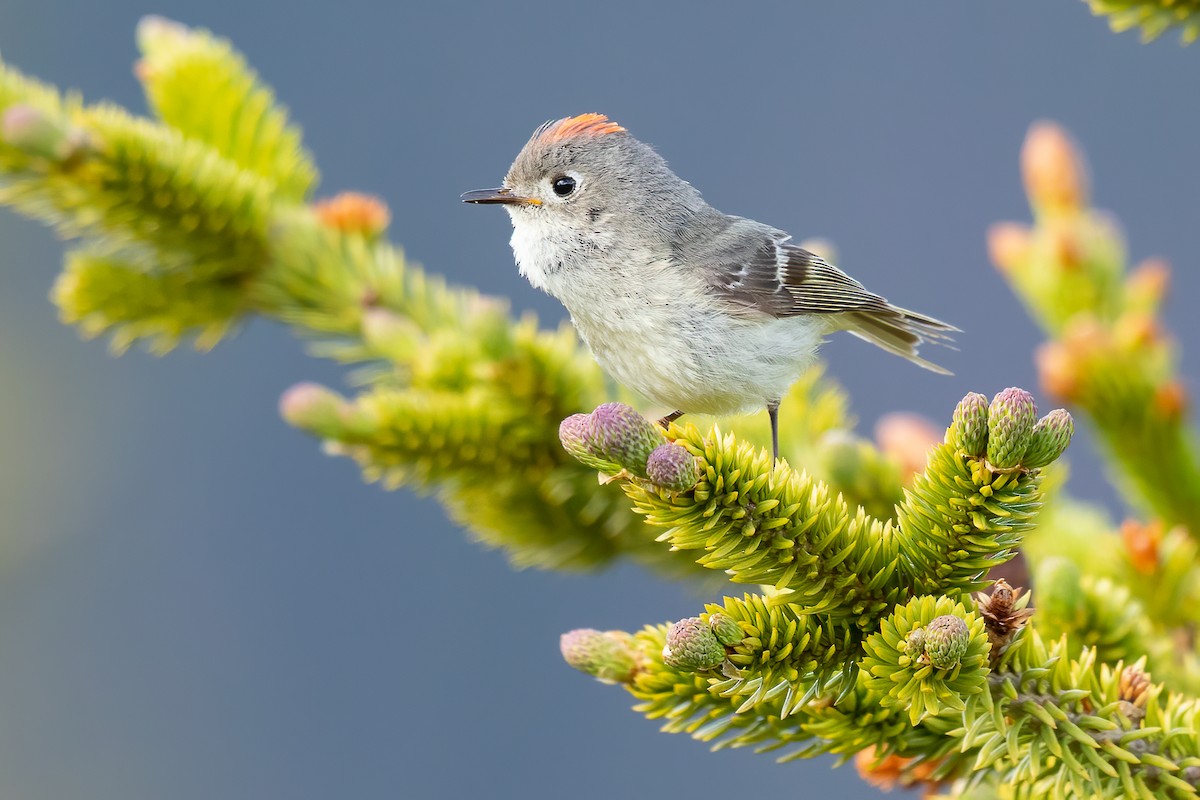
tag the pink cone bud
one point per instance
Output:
(618, 433)
(907, 438)
(153, 30)
(1011, 418)
(692, 646)
(1052, 164)
(312, 407)
(672, 467)
(1009, 245)
(608, 656)
(36, 132)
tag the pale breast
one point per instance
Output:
(685, 352)
(657, 329)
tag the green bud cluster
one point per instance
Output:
(946, 641)
(928, 658)
(1007, 431)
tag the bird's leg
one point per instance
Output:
(773, 413)
(669, 418)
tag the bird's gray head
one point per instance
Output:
(587, 173)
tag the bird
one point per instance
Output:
(693, 309)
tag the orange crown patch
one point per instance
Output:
(583, 125)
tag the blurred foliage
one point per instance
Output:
(1153, 17)
(870, 631)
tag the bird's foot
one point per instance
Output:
(666, 421)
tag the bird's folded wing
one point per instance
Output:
(782, 280)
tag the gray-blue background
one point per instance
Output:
(197, 604)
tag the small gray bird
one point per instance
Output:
(693, 309)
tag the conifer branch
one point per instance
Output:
(865, 640)
(1153, 17)
(1108, 356)
(765, 523)
(1043, 723)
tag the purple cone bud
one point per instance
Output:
(1051, 435)
(692, 646)
(672, 467)
(34, 131)
(1011, 418)
(970, 428)
(620, 434)
(726, 629)
(946, 641)
(605, 655)
(572, 432)
(312, 407)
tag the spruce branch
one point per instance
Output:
(195, 222)
(1153, 17)
(199, 85)
(865, 638)
(1041, 722)
(1108, 355)
(1072, 727)
(766, 523)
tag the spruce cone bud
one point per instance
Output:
(946, 641)
(312, 407)
(726, 629)
(153, 30)
(620, 434)
(914, 643)
(907, 438)
(672, 467)
(1051, 435)
(605, 655)
(1056, 179)
(573, 433)
(1134, 686)
(970, 427)
(35, 132)
(1009, 245)
(354, 212)
(1147, 284)
(1011, 418)
(1002, 597)
(692, 646)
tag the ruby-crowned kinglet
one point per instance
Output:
(694, 309)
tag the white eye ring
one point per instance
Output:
(564, 185)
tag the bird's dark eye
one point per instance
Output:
(563, 185)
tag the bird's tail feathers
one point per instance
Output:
(900, 331)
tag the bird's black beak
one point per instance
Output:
(502, 196)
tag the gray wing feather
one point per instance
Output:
(766, 275)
